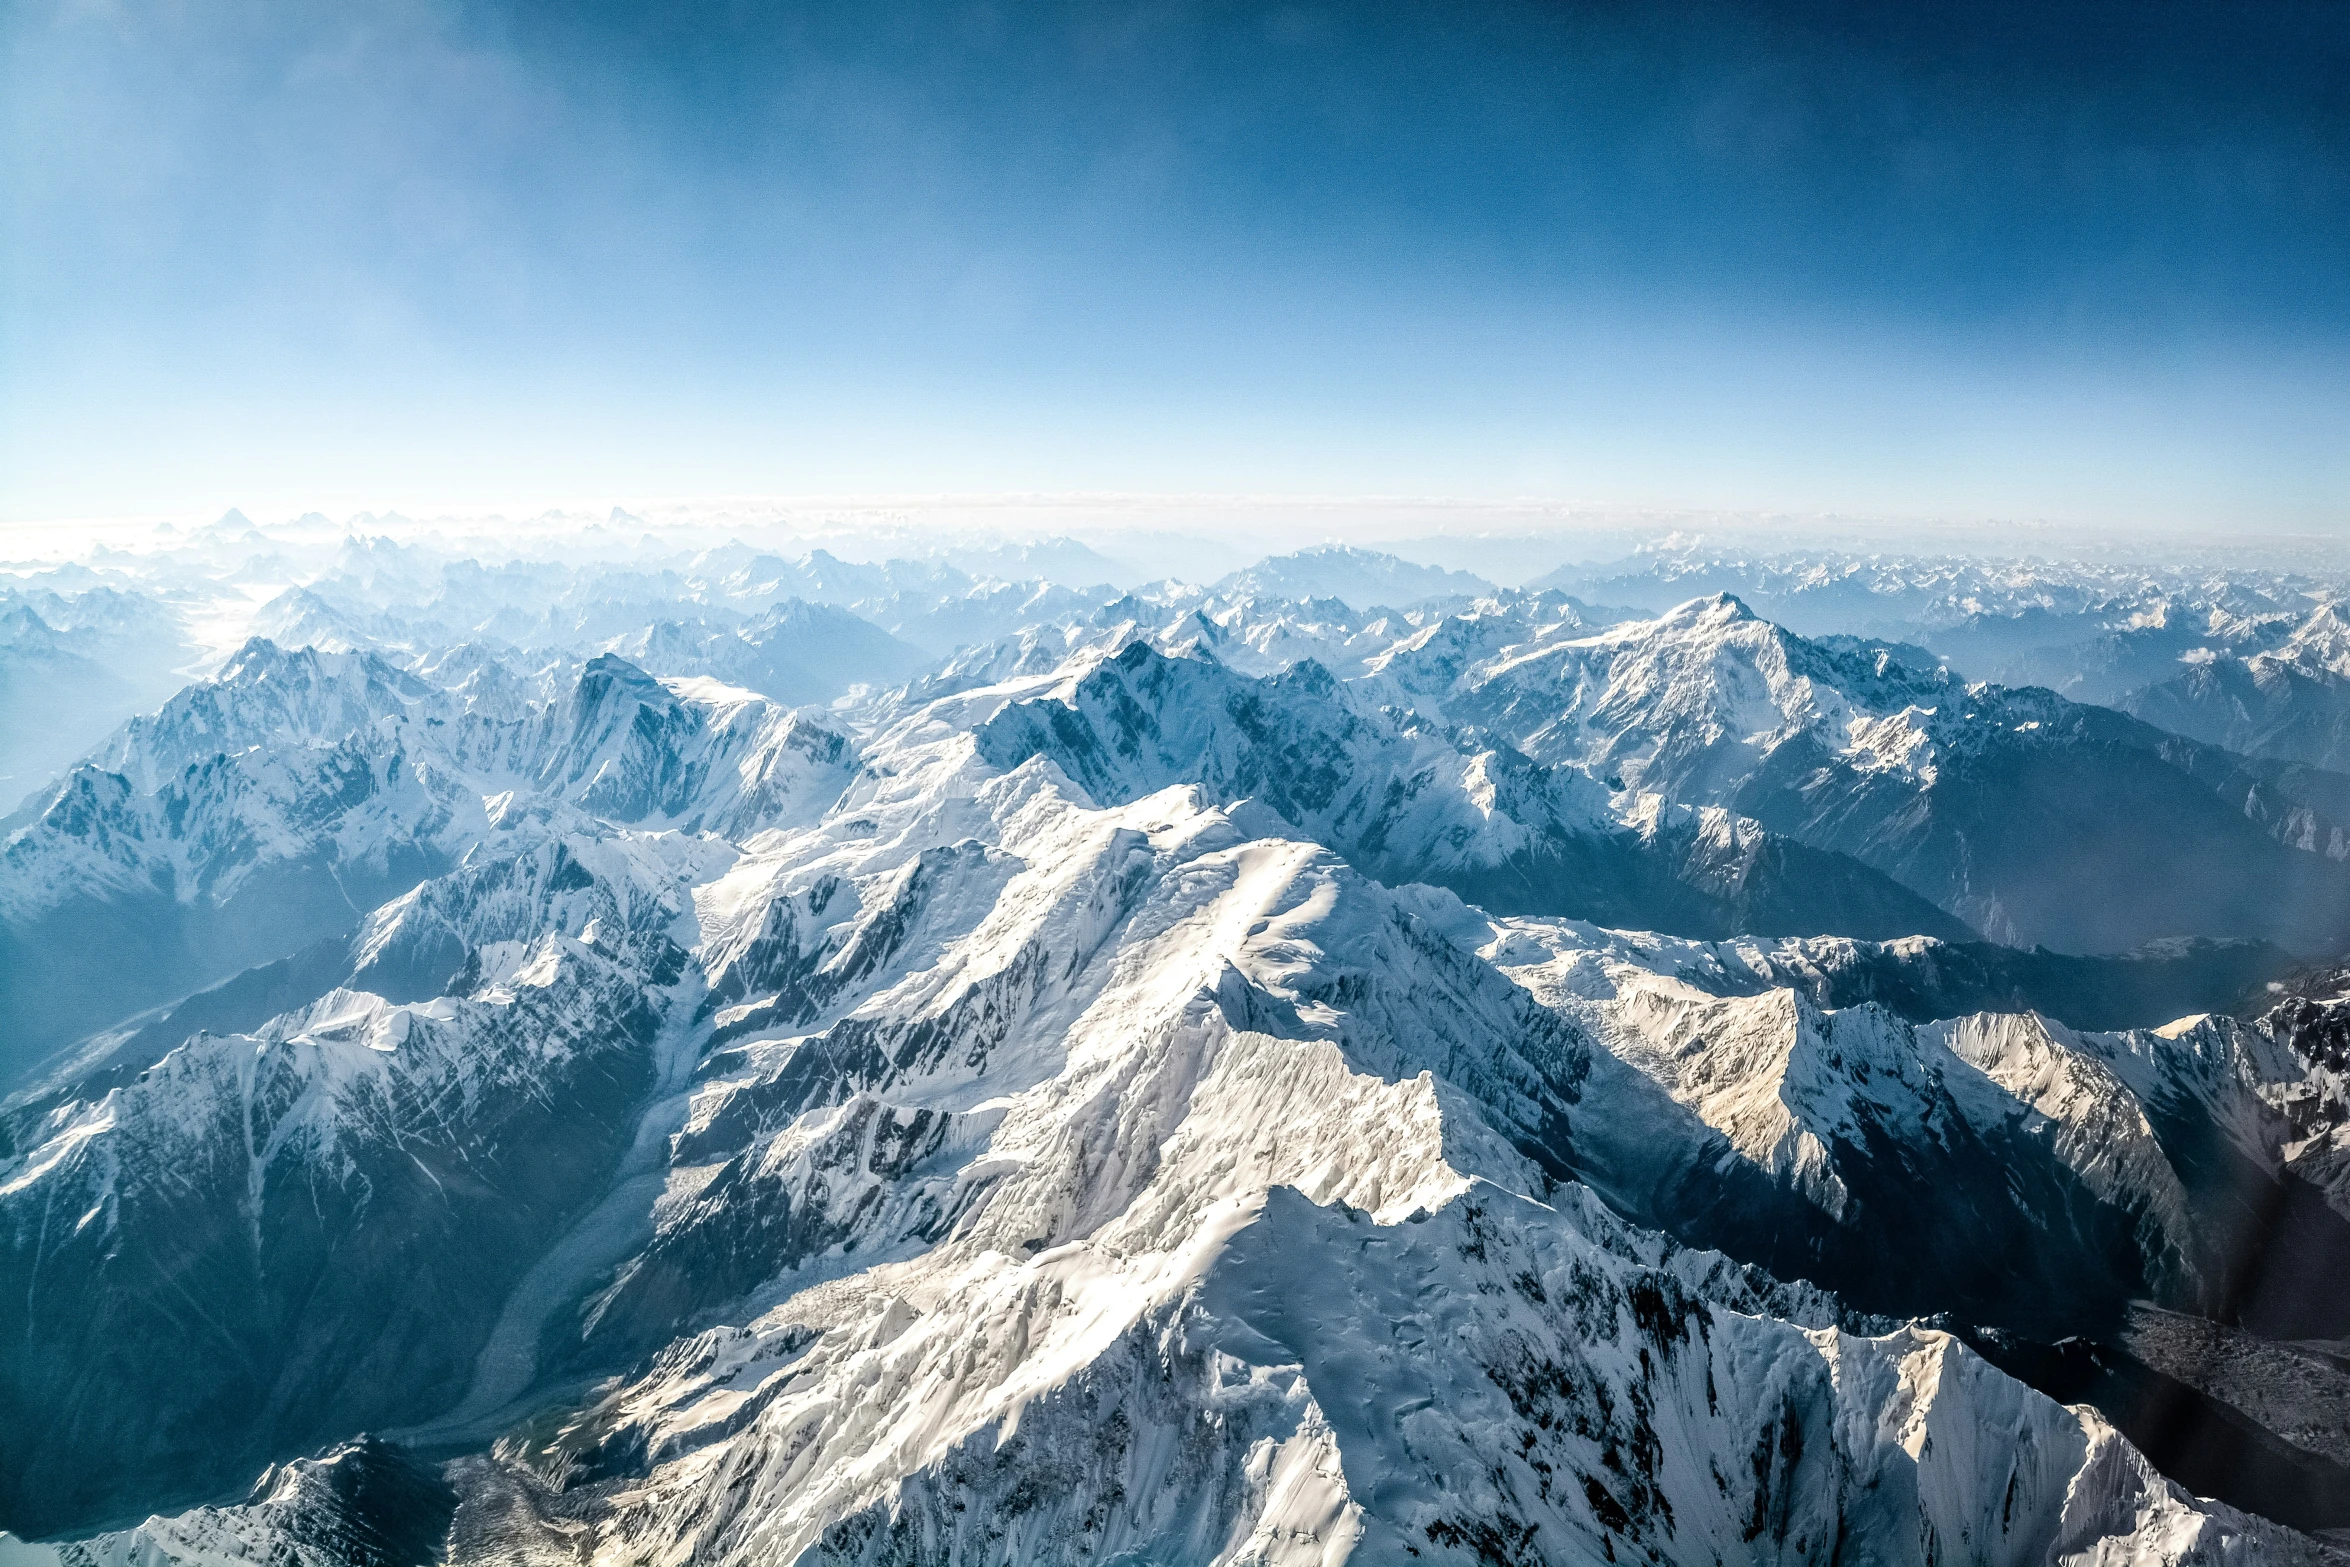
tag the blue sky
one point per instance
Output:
(2081, 262)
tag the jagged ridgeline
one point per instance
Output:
(770, 1060)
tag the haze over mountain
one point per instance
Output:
(1364, 578)
(740, 1053)
(2004, 807)
(878, 783)
(875, 783)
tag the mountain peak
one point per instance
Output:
(1310, 676)
(608, 681)
(1197, 1075)
(612, 668)
(260, 658)
(1361, 579)
(2323, 638)
(1713, 609)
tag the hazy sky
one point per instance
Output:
(2087, 262)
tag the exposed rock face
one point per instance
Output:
(362, 1503)
(283, 800)
(265, 1241)
(1066, 1126)
(2034, 819)
(2199, 1163)
(2289, 703)
(1409, 803)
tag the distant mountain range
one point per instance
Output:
(753, 1058)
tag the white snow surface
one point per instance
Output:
(289, 757)
(1160, 1187)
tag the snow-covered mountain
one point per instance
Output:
(303, 1232)
(72, 666)
(364, 1503)
(58, 701)
(1182, 1163)
(2002, 807)
(1365, 579)
(1410, 803)
(1247, 634)
(2103, 654)
(2134, 1164)
(281, 800)
(2288, 703)
(299, 618)
(1193, 1077)
(2048, 609)
(796, 653)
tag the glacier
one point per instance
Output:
(1098, 1098)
